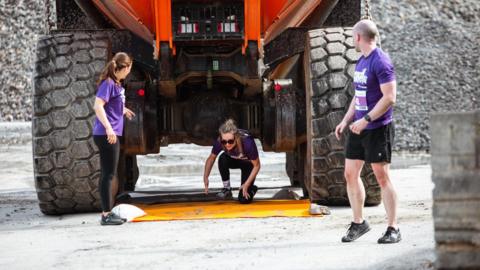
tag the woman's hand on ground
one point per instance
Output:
(244, 190)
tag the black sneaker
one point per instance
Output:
(355, 231)
(111, 219)
(391, 236)
(226, 193)
(119, 217)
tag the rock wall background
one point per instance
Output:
(21, 21)
(434, 45)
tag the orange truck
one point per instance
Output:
(281, 68)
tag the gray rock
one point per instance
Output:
(434, 47)
(21, 21)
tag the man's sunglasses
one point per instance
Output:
(227, 141)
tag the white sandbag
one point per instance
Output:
(128, 211)
(316, 209)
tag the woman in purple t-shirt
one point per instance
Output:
(239, 152)
(109, 108)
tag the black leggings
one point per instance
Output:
(225, 163)
(109, 155)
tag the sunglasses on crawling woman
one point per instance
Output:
(227, 141)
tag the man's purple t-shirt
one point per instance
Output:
(250, 151)
(114, 96)
(370, 73)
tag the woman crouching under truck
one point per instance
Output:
(239, 152)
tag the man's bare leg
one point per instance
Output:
(389, 196)
(355, 188)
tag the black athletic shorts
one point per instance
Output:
(372, 145)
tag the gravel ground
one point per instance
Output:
(433, 43)
(33, 240)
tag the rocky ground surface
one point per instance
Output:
(33, 240)
(433, 43)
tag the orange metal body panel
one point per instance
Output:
(252, 22)
(293, 14)
(123, 15)
(152, 19)
(163, 24)
(144, 11)
(270, 11)
(149, 19)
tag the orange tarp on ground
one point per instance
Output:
(225, 209)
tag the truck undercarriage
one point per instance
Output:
(289, 89)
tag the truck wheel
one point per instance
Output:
(127, 172)
(295, 167)
(329, 64)
(66, 160)
(291, 168)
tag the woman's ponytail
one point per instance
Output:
(119, 61)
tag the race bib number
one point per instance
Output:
(361, 100)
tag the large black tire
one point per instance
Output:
(329, 64)
(66, 160)
(127, 172)
(295, 166)
(291, 168)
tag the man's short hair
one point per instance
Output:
(366, 29)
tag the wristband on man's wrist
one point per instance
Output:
(367, 118)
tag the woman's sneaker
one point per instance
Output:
(355, 231)
(119, 217)
(391, 236)
(226, 193)
(111, 219)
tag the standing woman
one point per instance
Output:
(109, 108)
(239, 152)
